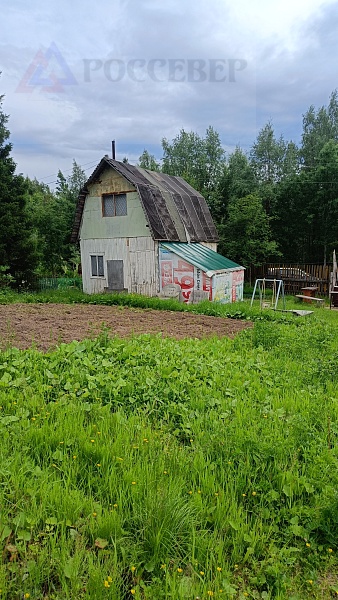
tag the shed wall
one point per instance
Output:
(211, 245)
(140, 263)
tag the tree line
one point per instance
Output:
(278, 202)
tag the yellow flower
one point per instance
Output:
(163, 566)
(133, 569)
(133, 592)
(133, 483)
(74, 456)
(219, 569)
(94, 514)
(145, 440)
(199, 491)
(216, 494)
(179, 570)
(98, 464)
(98, 432)
(254, 493)
(243, 495)
(92, 441)
(165, 472)
(61, 442)
(330, 550)
(106, 583)
(109, 579)
(308, 545)
(310, 581)
(27, 595)
(245, 594)
(210, 593)
(190, 492)
(201, 572)
(114, 505)
(33, 419)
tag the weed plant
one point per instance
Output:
(151, 468)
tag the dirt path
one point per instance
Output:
(47, 325)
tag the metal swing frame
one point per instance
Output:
(277, 292)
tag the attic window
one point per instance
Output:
(114, 205)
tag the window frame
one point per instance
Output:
(113, 195)
(98, 270)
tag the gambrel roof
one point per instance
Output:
(175, 211)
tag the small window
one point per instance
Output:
(97, 266)
(114, 205)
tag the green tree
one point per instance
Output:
(272, 160)
(319, 127)
(148, 161)
(52, 215)
(324, 202)
(17, 249)
(236, 180)
(198, 160)
(247, 237)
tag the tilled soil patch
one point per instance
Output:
(47, 325)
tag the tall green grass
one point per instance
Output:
(151, 468)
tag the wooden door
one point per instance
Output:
(115, 274)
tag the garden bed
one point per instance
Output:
(47, 325)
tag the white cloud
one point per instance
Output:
(290, 49)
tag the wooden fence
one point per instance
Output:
(55, 283)
(294, 276)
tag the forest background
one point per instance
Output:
(278, 202)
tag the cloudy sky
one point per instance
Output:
(79, 74)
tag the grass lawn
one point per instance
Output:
(151, 468)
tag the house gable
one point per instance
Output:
(95, 225)
(172, 209)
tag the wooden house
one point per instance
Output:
(145, 232)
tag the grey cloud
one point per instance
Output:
(278, 83)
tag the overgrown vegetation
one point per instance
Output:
(151, 468)
(236, 310)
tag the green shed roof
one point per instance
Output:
(202, 257)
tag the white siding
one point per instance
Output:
(140, 263)
(211, 245)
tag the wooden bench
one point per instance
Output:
(310, 299)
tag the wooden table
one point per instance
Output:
(309, 292)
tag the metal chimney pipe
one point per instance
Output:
(113, 149)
